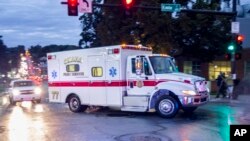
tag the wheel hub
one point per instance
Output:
(166, 106)
(74, 103)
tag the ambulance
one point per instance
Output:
(123, 77)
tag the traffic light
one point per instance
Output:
(128, 3)
(228, 56)
(231, 47)
(237, 56)
(73, 7)
(239, 40)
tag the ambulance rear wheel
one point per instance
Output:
(167, 106)
(75, 104)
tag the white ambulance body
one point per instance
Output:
(125, 77)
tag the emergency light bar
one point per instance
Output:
(135, 47)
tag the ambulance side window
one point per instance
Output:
(72, 68)
(146, 66)
(97, 71)
(133, 65)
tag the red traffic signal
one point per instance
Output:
(128, 3)
(228, 56)
(239, 39)
(73, 7)
(237, 56)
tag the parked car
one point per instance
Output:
(24, 90)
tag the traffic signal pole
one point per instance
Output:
(233, 62)
(194, 11)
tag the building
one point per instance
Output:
(211, 70)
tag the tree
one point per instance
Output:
(14, 56)
(201, 36)
(56, 48)
(198, 36)
(89, 22)
(3, 61)
(36, 53)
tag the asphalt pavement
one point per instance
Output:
(242, 98)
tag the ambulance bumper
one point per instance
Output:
(193, 101)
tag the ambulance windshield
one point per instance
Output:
(162, 64)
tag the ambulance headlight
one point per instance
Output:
(189, 92)
(16, 92)
(38, 91)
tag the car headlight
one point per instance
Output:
(189, 92)
(16, 92)
(38, 91)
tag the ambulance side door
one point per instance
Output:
(113, 83)
(96, 89)
(139, 84)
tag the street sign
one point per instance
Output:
(170, 7)
(235, 27)
(85, 6)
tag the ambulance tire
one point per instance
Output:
(167, 106)
(75, 104)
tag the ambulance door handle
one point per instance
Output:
(131, 84)
(146, 78)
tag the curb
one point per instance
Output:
(244, 99)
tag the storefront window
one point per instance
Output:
(247, 67)
(192, 67)
(196, 68)
(187, 68)
(219, 66)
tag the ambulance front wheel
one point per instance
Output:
(167, 106)
(75, 104)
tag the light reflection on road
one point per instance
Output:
(24, 127)
(5, 100)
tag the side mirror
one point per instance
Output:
(138, 65)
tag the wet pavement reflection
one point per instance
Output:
(27, 121)
(23, 126)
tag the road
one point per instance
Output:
(54, 122)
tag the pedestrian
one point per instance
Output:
(230, 85)
(221, 84)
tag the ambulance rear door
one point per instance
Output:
(53, 76)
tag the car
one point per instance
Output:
(24, 90)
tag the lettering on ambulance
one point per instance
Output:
(55, 94)
(73, 69)
(73, 60)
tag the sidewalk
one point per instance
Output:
(243, 98)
